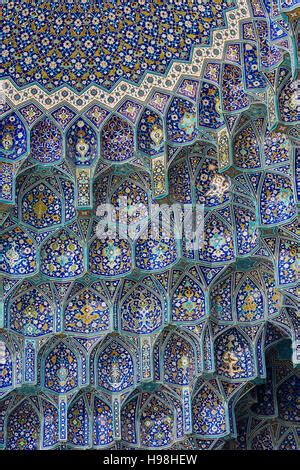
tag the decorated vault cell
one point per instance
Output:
(194, 177)
(246, 224)
(188, 304)
(86, 312)
(277, 199)
(234, 355)
(7, 183)
(30, 311)
(210, 106)
(130, 196)
(62, 256)
(109, 254)
(6, 375)
(246, 297)
(90, 421)
(60, 371)
(110, 258)
(18, 252)
(142, 308)
(82, 150)
(234, 97)
(157, 247)
(150, 133)
(287, 102)
(181, 121)
(131, 65)
(209, 411)
(218, 243)
(263, 404)
(287, 262)
(82, 143)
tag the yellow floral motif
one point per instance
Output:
(183, 362)
(250, 305)
(40, 208)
